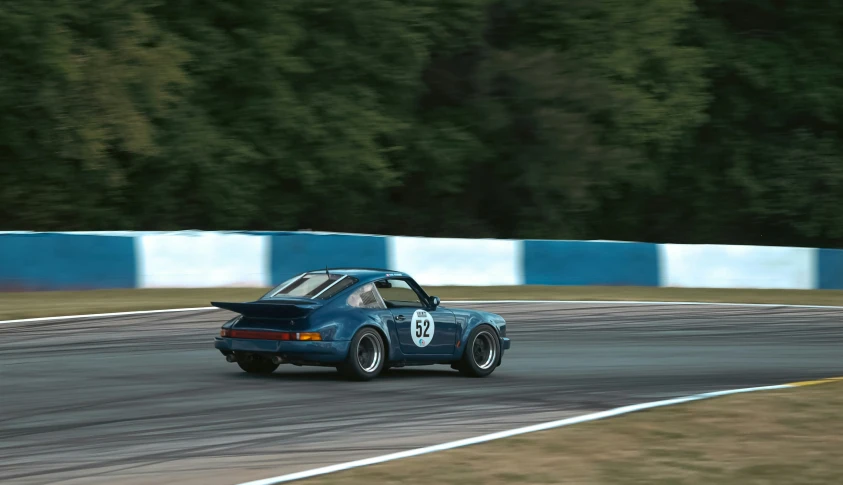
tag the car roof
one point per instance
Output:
(363, 273)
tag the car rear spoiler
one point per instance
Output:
(270, 309)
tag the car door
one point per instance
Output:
(422, 331)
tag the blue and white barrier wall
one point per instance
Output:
(69, 261)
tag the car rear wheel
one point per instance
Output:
(366, 356)
(482, 349)
(255, 364)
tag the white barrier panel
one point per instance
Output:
(202, 260)
(440, 261)
(712, 266)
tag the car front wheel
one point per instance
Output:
(482, 349)
(366, 356)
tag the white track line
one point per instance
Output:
(102, 315)
(643, 302)
(505, 434)
(580, 302)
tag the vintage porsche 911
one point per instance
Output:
(360, 321)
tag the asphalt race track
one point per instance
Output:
(148, 400)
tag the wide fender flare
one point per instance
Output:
(353, 323)
(471, 323)
(383, 330)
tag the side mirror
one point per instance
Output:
(434, 301)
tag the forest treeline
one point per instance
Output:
(707, 121)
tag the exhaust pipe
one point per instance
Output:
(277, 360)
(231, 358)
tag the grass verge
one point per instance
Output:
(44, 304)
(788, 436)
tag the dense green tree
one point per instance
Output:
(300, 107)
(571, 105)
(661, 120)
(767, 166)
(81, 87)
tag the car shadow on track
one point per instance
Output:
(329, 375)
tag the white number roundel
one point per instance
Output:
(422, 328)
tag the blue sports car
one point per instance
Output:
(360, 321)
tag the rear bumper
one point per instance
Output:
(327, 352)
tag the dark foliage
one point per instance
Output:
(661, 120)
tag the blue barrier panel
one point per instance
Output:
(830, 269)
(296, 253)
(45, 261)
(580, 263)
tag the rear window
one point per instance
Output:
(341, 285)
(314, 284)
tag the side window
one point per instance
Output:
(366, 297)
(398, 293)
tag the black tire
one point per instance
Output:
(482, 351)
(254, 364)
(366, 356)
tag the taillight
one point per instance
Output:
(308, 336)
(270, 335)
